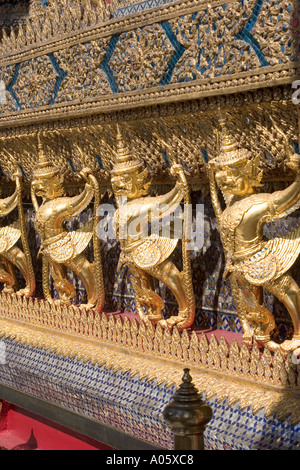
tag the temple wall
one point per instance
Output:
(163, 70)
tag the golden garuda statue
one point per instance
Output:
(63, 249)
(11, 256)
(253, 262)
(148, 255)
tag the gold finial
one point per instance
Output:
(227, 142)
(123, 154)
(125, 162)
(44, 167)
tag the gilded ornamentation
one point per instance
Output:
(83, 76)
(56, 19)
(211, 44)
(235, 38)
(188, 50)
(61, 249)
(186, 127)
(72, 70)
(11, 256)
(267, 381)
(35, 84)
(141, 57)
(148, 256)
(278, 19)
(253, 263)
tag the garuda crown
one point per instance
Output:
(125, 162)
(229, 151)
(45, 169)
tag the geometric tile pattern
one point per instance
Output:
(139, 7)
(233, 429)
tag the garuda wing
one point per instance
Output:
(9, 236)
(275, 259)
(70, 245)
(153, 251)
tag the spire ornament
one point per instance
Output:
(230, 152)
(45, 169)
(125, 162)
(187, 415)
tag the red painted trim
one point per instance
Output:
(25, 431)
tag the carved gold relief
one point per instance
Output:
(83, 75)
(211, 42)
(258, 119)
(141, 58)
(186, 50)
(56, 19)
(36, 81)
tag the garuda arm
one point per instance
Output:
(214, 193)
(166, 204)
(76, 204)
(287, 200)
(72, 206)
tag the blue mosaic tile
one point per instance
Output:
(133, 405)
(140, 7)
(115, 399)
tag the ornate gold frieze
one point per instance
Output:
(141, 58)
(262, 380)
(258, 119)
(180, 51)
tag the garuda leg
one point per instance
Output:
(7, 276)
(256, 320)
(85, 270)
(16, 257)
(65, 289)
(168, 273)
(145, 296)
(287, 291)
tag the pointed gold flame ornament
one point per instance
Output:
(148, 255)
(252, 262)
(61, 249)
